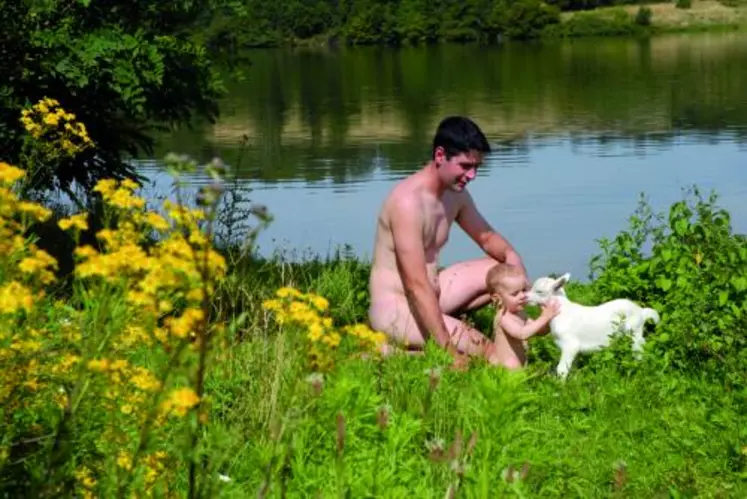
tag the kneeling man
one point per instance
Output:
(410, 299)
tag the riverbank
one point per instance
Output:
(663, 18)
(537, 22)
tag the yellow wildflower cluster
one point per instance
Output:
(36, 352)
(110, 358)
(154, 466)
(179, 268)
(367, 337)
(304, 310)
(51, 125)
(291, 307)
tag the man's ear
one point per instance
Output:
(561, 281)
(439, 155)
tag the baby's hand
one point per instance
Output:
(551, 309)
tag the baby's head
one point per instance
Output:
(507, 286)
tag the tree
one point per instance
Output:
(124, 68)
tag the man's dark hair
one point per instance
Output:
(457, 134)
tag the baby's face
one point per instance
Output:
(513, 293)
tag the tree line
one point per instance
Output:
(364, 22)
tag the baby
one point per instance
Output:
(508, 288)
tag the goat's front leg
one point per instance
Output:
(567, 354)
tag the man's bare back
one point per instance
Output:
(410, 299)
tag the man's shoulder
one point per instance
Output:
(406, 194)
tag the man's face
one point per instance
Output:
(459, 170)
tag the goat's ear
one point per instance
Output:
(561, 281)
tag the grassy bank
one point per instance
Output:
(529, 22)
(409, 426)
(703, 15)
(166, 368)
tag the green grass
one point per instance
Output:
(667, 426)
(615, 428)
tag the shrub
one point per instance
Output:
(683, 4)
(695, 275)
(614, 22)
(643, 16)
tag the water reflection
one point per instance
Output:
(579, 129)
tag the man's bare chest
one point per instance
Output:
(437, 221)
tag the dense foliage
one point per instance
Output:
(123, 68)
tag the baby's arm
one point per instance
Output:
(542, 331)
(522, 329)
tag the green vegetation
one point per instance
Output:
(364, 22)
(126, 69)
(171, 370)
(153, 364)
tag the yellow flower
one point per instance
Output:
(288, 292)
(332, 340)
(145, 380)
(180, 401)
(315, 332)
(66, 363)
(105, 186)
(182, 326)
(272, 305)
(36, 211)
(98, 365)
(10, 174)
(85, 251)
(129, 184)
(77, 221)
(51, 119)
(14, 296)
(124, 460)
(156, 221)
(320, 303)
(50, 102)
(38, 264)
(83, 475)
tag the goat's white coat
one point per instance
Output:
(579, 328)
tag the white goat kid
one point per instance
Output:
(579, 328)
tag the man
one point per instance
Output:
(410, 299)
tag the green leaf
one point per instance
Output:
(664, 283)
(662, 338)
(723, 297)
(680, 227)
(739, 283)
(666, 254)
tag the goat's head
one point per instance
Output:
(546, 288)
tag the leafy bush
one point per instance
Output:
(695, 275)
(683, 4)
(523, 19)
(123, 68)
(614, 22)
(643, 16)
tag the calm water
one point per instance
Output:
(579, 130)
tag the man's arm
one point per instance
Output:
(490, 241)
(407, 235)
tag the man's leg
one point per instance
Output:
(463, 286)
(393, 317)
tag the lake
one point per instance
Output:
(579, 130)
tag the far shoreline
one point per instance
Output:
(604, 22)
